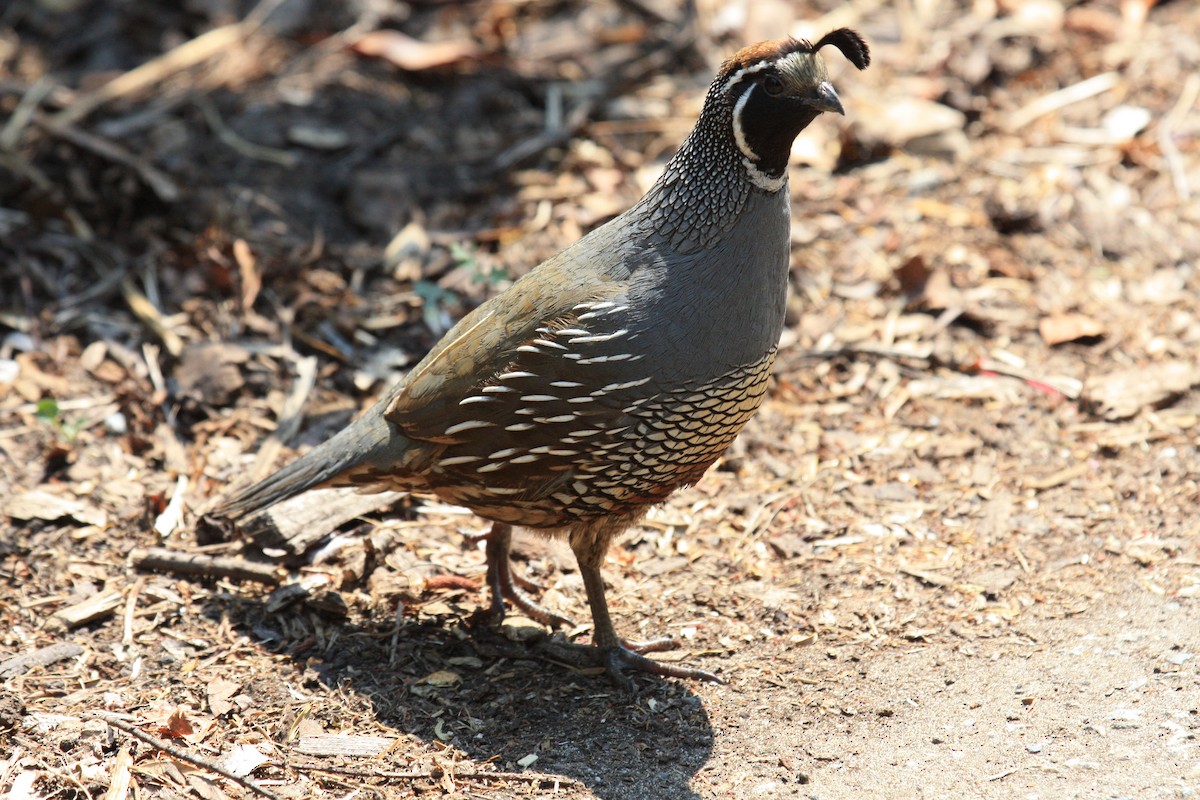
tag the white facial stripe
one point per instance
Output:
(739, 134)
(760, 179)
(792, 62)
(743, 72)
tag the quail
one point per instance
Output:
(619, 369)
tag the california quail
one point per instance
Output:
(619, 369)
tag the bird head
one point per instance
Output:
(773, 90)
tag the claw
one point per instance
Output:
(618, 660)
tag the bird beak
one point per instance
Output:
(826, 99)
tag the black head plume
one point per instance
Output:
(853, 47)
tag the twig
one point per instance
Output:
(1069, 387)
(166, 522)
(290, 417)
(158, 181)
(154, 371)
(550, 137)
(166, 560)
(921, 353)
(151, 317)
(130, 610)
(175, 752)
(23, 113)
(640, 7)
(154, 71)
(1076, 92)
(558, 131)
(1166, 135)
(239, 144)
(43, 657)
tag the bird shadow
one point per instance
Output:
(452, 681)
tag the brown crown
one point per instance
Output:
(850, 43)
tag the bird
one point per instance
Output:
(614, 372)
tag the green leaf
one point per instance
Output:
(47, 410)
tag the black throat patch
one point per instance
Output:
(766, 127)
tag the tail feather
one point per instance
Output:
(366, 443)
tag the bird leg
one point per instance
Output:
(504, 584)
(616, 654)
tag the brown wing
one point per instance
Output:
(484, 344)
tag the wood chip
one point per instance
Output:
(1061, 328)
(98, 606)
(1058, 478)
(120, 777)
(338, 745)
(926, 576)
(42, 657)
(41, 504)
(1122, 394)
(298, 524)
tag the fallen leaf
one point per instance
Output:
(248, 269)
(177, 725)
(219, 692)
(913, 275)
(443, 677)
(1059, 328)
(243, 760)
(209, 372)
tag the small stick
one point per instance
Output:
(1068, 95)
(174, 561)
(10, 135)
(158, 181)
(290, 417)
(1166, 135)
(242, 146)
(151, 317)
(175, 752)
(44, 657)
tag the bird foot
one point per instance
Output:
(526, 604)
(505, 584)
(623, 658)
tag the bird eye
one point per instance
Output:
(773, 85)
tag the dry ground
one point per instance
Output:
(957, 554)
